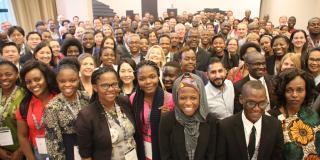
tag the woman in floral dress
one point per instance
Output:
(301, 125)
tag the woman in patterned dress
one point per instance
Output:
(105, 128)
(10, 98)
(61, 112)
(300, 124)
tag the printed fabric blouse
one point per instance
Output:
(59, 119)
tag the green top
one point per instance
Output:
(301, 135)
(9, 118)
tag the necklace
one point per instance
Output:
(4, 107)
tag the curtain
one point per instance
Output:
(28, 12)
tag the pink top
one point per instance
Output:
(168, 100)
(37, 110)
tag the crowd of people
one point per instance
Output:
(200, 86)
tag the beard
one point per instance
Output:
(218, 85)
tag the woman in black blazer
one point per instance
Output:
(105, 128)
(188, 132)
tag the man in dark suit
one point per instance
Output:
(134, 49)
(250, 134)
(256, 64)
(203, 57)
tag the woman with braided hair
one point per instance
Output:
(149, 102)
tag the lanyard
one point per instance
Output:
(73, 112)
(5, 107)
(34, 118)
(119, 120)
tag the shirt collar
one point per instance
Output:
(261, 78)
(248, 124)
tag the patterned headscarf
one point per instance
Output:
(191, 124)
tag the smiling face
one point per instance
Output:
(314, 63)
(155, 55)
(256, 96)
(33, 40)
(232, 46)
(188, 61)
(36, 82)
(107, 88)
(188, 100)
(68, 83)
(170, 74)
(87, 66)
(8, 77)
(126, 73)
(55, 46)
(299, 39)
(88, 40)
(108, 57)
(44, 55)
(148, 79)
(280, 47)
(11, 54)
(109, 43)
(217, 74)
(218, 46)
(287, 63)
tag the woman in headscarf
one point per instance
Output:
(191, 119)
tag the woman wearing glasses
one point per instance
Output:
(105, 128)
(300, 124)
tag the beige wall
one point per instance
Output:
(302, 10)
(80, 8)
(237, 6)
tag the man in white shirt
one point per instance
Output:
(250, 134)
(220, 91)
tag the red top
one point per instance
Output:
(38, 109)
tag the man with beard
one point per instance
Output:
(220, 91)
(256, 64)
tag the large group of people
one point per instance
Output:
(200, 86)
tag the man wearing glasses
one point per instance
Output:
(250, 134)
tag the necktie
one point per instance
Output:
(252, 142)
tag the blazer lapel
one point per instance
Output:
(239, 133)
(202, 139)
(264, 137)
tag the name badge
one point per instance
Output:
(76, 153)
(5, 137)
(131, 155)
(148, 149)
(41, 145)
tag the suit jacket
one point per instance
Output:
(93, 135)
(238, 87)
(271, 62)
(172, 142)
(26, 57)
(232, 144)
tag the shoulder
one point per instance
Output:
(90, 110)
(84, 96)
(211, 118)
(55, 102)
(229, 121)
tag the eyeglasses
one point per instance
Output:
(106, 86)
(314, 59)
(257, 64)
(252, 104)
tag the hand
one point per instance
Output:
(5, 154)
(164, 109)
